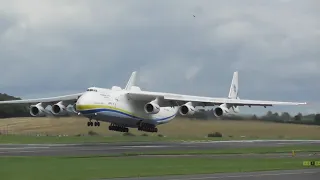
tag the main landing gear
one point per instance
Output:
(147, 127)
(114, 127)
(90, 123)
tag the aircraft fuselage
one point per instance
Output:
(117, 108)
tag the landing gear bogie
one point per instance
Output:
(97, 123)
(114, 127)
(147, 127)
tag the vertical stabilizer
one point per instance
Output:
(132, 81)
(234, 88)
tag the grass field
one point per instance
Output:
(178, 128)
(20, 139)
(80, 168)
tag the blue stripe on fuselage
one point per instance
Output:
(92, 111)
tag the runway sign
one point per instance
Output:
(311, 163)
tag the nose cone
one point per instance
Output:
(84, 101)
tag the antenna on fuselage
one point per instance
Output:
(132, 81)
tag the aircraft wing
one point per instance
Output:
(203, 101)
(71, 97)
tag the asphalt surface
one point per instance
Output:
(303, 174)
(135, 147)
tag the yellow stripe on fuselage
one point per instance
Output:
(86, 107)
(89, 107)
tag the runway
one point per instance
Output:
(303, 174)
(135, 147)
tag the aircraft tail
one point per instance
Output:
(132, 81)
(234, 92)
(234, 88)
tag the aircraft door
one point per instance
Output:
(112, 102)
(115, 101)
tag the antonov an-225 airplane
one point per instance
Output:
(135, 108)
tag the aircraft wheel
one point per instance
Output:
(98, 123)
(91, 123)
(88, 123)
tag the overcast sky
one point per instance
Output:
(53, 47)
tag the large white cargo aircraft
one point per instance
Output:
(135, 108)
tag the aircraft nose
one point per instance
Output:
(82, 102)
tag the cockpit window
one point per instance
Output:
(92, 90)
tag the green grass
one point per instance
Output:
(84, 168)
(253, 150)
(22, 139)
(25, 130)
(180, 128)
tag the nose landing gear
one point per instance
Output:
(90, 123)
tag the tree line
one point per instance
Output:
(22, 110)
(12, 110)
(284, 117)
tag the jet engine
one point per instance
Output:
(72, 110)
(37, 110)
(221, 110)
(186, 109)
(151, 108)
(59, 109)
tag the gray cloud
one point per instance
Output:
(55, 47)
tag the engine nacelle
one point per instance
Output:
(151, 108)
(59, 109)
(221, 110)
(186, 110)
(72, 110)
(37, 110)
